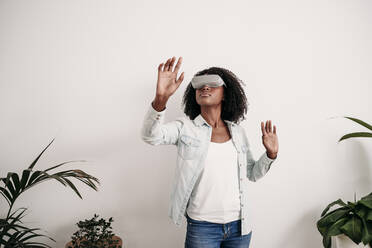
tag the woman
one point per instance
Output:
(214, 162)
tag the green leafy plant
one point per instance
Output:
(358, 134)
(13, 233)
(94, 233)
(353, 219)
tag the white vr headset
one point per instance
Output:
(212, 80)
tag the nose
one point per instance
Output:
(204, 87)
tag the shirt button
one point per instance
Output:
(241, 179)
(242, 218)
(241, 191)
(241, 205)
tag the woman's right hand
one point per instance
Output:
(167, 83)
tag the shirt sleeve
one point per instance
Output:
(155, 132)
(256, 169)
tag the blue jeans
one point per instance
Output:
(203, 234)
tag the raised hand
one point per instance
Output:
(270, 139)
(167, 78)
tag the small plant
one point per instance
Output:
(94, 233)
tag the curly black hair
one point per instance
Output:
(235, 103)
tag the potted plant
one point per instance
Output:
(13, 233)
(94, 233)
(352, 220)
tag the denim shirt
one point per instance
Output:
(192, 139)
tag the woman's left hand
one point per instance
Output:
(270, 139)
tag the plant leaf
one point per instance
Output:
(364, 124)
(356, 135)
(339, 202)
(367, 232)
(58, 165)
(335, 228)
(366, 202)
(24, 179)
(38, 157)
(353, 229)
(329, 219)
(72, 186)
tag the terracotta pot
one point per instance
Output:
(343, 241)
(119, 244)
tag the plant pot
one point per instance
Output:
(343, 241)
(120, 243)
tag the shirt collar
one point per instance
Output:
(199, 121)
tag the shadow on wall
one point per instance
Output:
(304, 229)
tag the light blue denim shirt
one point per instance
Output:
(192, 139)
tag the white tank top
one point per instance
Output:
(215, 197)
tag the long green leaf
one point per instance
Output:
(45, 176)
(25, 176)
(356, 135)
(58, 165)
(6, 194)
(38, 157)
(33, 177)
(16, 182)
(364, 124)
(9, 187)
(72, 186)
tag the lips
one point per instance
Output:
(205, 94)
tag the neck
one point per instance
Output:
(212, 114)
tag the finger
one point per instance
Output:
(172, 63)
(270, 128)
(267, 126)
(180, 78)
(178, 65)
(262, 128)
(166, 66)
(160, 67)
(274, 129)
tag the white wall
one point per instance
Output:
(85, 72)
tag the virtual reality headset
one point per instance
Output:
(212, 80)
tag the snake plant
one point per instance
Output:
(13, 233)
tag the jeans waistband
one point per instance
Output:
(207, 222)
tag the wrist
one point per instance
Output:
(159, 103)
(271, 155)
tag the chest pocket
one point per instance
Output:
(189, 147)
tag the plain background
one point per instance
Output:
(84, 72)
